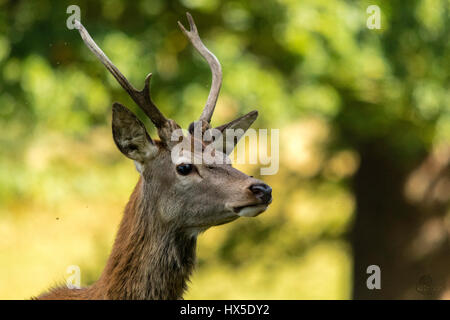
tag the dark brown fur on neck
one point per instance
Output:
(150, 259)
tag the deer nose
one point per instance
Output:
(262, 191)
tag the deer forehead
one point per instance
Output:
(207, 155)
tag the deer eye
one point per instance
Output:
(185, 169)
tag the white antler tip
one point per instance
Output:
(77, 24)
(192, 26)
(182, 27)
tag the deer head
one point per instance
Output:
(190, 194)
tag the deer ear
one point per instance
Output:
(239, 127)
(130, 135)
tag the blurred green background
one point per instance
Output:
(364, 125)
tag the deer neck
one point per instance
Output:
(149, 259)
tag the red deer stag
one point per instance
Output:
(175, 198)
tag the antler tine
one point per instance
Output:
(142, 98)
(214, 65)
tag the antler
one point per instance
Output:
(214, 65)
(142, 98)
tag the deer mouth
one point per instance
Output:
(250, 210)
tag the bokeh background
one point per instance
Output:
(364, 125)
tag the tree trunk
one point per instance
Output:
(407, 238)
